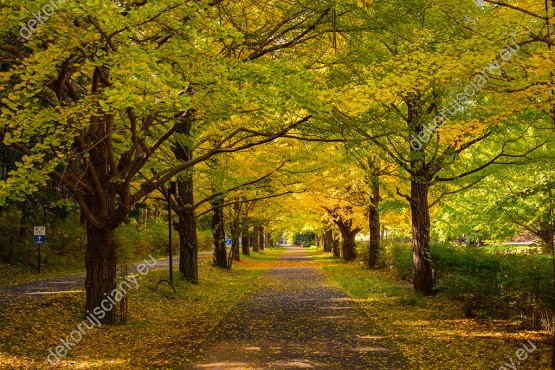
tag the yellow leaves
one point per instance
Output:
(364, 3)
(353, 101)
(435, 326)
(29, 329)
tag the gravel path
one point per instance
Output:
(37, 289)
(297, 320)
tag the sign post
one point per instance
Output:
(39, 233)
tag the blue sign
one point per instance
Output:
(40, 239)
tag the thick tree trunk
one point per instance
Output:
(235, 247)
(187, 224)
(188, 252)
(255, 239)
(101, 262)
(266, 239)
(374, 224)
(348, 250)
(188, 246)
(245, 243)
(336, 246)
(422, 269)
(218, 235)
(261, 238)
(328, 240)
(187, 229)
(101, 252)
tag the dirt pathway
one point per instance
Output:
(298, 320)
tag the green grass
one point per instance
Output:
(20, 274)
(514, 249)
(365, 286)
(432, 332)
(268, 254)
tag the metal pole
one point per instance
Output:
(171, 190)
(170, 233)
(39, 258)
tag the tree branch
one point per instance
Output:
(504, 4)
(489, 163)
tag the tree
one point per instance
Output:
(342, 216)
(101, 88)
(285, 27)
(426, 111)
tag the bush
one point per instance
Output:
(204, 240)
(489, 284)
(398, 256)
(64, 241)
(137, 243)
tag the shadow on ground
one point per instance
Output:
(298, 320)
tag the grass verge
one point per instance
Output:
(163, 328)
(432, 332)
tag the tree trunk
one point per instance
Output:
(188, 251)
(328, 240)
(266, 239)
(348, 250)
(245, 243)
(336, 246)
(261, 237)
(422, 269)
(546, 233)
(235, 247)
(255, 239)
(373, 182)
(100, 281)
(218, 235)
(375, 227)
(187, 224)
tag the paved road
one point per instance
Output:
(37, 289)
(298, 320)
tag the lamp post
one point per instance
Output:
(171, 190)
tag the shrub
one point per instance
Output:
(137, 243)
(398, 256)
(489, 284)
(204, 240)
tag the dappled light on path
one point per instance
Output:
(299, 319)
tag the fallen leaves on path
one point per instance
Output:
(432, 332)
(162, 331)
